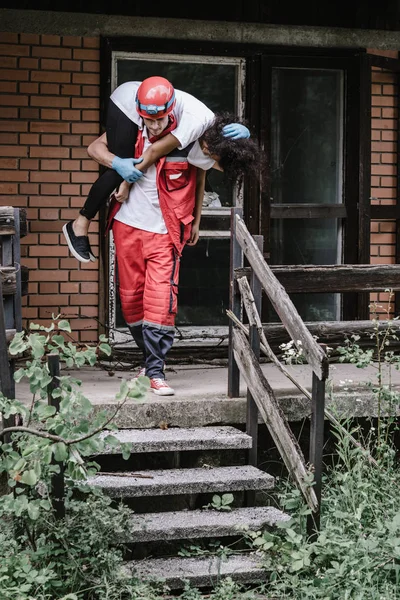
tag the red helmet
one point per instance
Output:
(155, 98)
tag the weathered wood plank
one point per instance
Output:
(333, 278)
(281, 302)
(334, 333)
(308, 211)
(7, 221)
(272, 414)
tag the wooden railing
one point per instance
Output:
(246, 342)
(244, 355)
(13, 284)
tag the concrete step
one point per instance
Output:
(183, 481)
(204, 571)
(185, 524)
(175, 439)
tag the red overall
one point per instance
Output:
(148, 263)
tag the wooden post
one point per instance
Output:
(235, 304)
(316, 448)
(7, 384)
(57, 480)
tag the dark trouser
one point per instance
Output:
(154, 342)
(121, 139)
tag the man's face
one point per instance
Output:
(156, 126)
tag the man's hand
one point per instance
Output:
(235, 131)
(123, 192)
(126, 168)
(194, 235)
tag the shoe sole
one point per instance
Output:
(92, 257)
(160, 393)
(71, 248)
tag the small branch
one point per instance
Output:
(125, 474)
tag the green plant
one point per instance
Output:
(77, 557)
(222, 503)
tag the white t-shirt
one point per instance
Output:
(192, 116)
(142, 209)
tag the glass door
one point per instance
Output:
(204, 275)
(306, 177)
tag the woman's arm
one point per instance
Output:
(200, 187)
(98, 150)
(155, 151)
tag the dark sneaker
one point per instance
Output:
(78, 244)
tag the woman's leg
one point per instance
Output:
(121, 139)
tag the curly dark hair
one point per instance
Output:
(237, 157)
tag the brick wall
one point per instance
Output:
(383, 167)
(49, 107)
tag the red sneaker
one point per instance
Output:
(140, 373)
(160, 387)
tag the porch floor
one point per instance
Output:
(201, 394)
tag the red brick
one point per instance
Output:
(50, 113)
(71, 65)
(13, 200)
(29, 88)
(13, 126)
(90, 115)
(13, 151)
(78, 177)
(8, 188)
(90, 66)
(8, 62)
(72, 40)
(49, 165)
(49, 152)
(71, 115)
(79, 153)
(28, 63)
(11, 50)
(90, 90)
(51, 76)
(51, 40)
(90, 287)
(389, 135)
(48, 300)
(8, 138)
(29, 138)
(50, 201)
(29, 113)
(48, 288)
(376, 113)
(50, 189)
(375, 134)
(14, 75)
(383, 147)
(49, 214)
(43, 52)
(47, 275)
(89, 165)
(8, 87)
(29, 188)
(50, 139)
(71, 140)
(86, 78)
(8, 163)
(9, 113)
(50, 64)
(29, 38)
(70, 90)
(382, 101)
(50, 88)
(86, 55)
(14, 175)
(83, 276)
(383, 192)
(50, 177)
(13, 100)
(69, 288)
(48, 263)
(389, 90)
(70, 165)
(43, 127)
(84, 299)
(389, 113)
(83, 128)
(50, 101)
(91, 42)
(383, 170)
(388, 158)
(29, 164)
(87, 103)
(8, 38)
(70, 190)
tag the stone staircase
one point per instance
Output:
(167, 502)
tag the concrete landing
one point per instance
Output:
(201, 394)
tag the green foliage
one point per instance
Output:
(222, 503)
(77, 558)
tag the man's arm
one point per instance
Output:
(200, 187)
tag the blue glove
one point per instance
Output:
(236, 131)
(126, 168)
